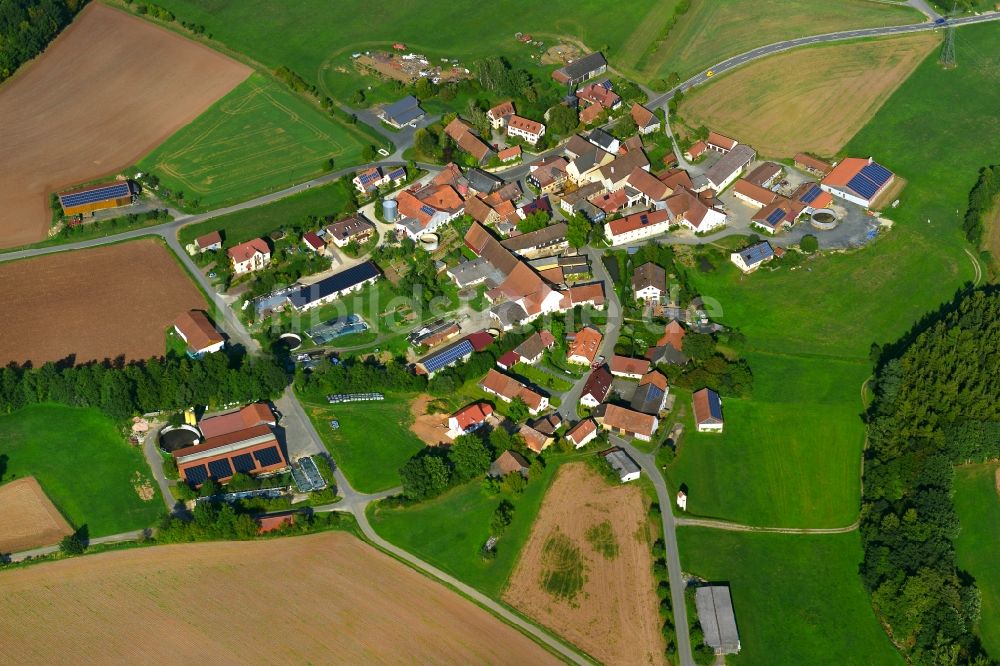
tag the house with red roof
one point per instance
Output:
(582, 433)
(469, 418)
(645, 120)
(210, 241)
(707, 410)
(499, 114)
(250, 256)
(626, 366)
(314, 242)
(529, 130)
(507, 388)
(583, 350)
(696, 150)
(858, 180)
(509, 154)
(198, 332)
(720, 143)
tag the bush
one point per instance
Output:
(71, 545)
(809, 244)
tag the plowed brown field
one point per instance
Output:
(614, 615)
(813, 99)
(106, 92)
(27, 518)
(325, 598)
(94, 304)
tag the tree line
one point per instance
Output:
(27, 27)
(981, 200)
(936, 405)
(122, 390)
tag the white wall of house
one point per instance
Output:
(641, 233)
(710, 427)
(748, 200)
(649, 293)
(713, 220)
(254, 263)
(587, 440)
(589, 400)
(848, 196)
(339, 294)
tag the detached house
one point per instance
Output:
(469, 419)
(720, 143)
(649, 282)
(645, 120)
(250, 256)
(596, 389)
(211, 241)
(583, 350)
(507, 388)
(627, 422)
(198, 332)
(352, 229)
(628, 367)
(529, 130)
(499, 114)
(749, 259)
(582, 433)
(461, 133)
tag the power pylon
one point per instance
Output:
(947, 59)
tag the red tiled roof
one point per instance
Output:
(753, 191)
(313, 241)
(702, 412)
(473, 414)
(535, 440)
(592, 292)
(673, 335)
(637, 220)
(626, 365)
(591, 113)
(248, 417)
(697, 148)
(642, 116)
(510, 388)
(585, 344)
(197, 330)
(654, 188)
(675, 178)
(524, 124)
(716, 139)
(811, 162)
(630, 421)
(597, 94)
(656, 378)
(275, 521)
(502, 110)
(208, 239)
(509, 462)
(245, 251)
(582, 430)
(509, 153)
(226, 439)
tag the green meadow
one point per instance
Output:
(977, 502)
(83, 464)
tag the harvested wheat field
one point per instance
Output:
(105, 302)
(586, 570)
(106, 92)
(27, 518)
(812, 99)
(324, 598)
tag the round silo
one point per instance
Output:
(389, 210)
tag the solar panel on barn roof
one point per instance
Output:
(876, 173)
(244, 463)
(440, 360)
(113, 191)
(268, 456)
(775, 216)
(811, 195)
(220, 469)
(195, 475)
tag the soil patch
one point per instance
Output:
(116, 300)
(812, 99)
(238, 602)
(560, 54)
(106, 92)
(27, 518)
(586, 570)
(430, 428)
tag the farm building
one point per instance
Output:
(250, 451)
(858, 180)
(696, 150)
(444, 357)
(507, 388)
(508, 463)
(649, 282)
(766, 175)
(707, 410)
(812, 197)
(210, 241)
(582, 433)
(812, 164)
(250, 416)
(753, 194)
(720, 143)
(509, 154)
(749, 259)
(198, 332)
(581, 69)
(275, 521)
(651, 394)
(622, 463)
(717, 619)
(670, 347)
(333, 287)
(626, 366)
(545, 241)
(597, 387)
(729, 168)
(433, 333)
(252, 255)
(627, 422)
(535, 439)
(469, 418)
(462, 134)
(97, 197)
(406, 111)
(780, 213)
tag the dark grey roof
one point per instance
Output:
(509, 313)
(599, 137)
(483, 182)
(404, 111)
(550, 235)
(648, 398)
(583, 66)
(718, 621)
(666, 354)
(621, 462)
(333, 284)
(588, 160)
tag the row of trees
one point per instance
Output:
(982, 198)
(434, 470)
(935, 406)
(122, 390)
(27, 27)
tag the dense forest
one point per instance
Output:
(936, 405)
(154, 385)
(27, 26)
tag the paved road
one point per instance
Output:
(155, 460)
(736, 527)
(677, 583)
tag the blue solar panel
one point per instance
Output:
(220, 469)
(397, 174)
(757, 253)
(268, 456)
(876, 173)
(427, 209)
(714, 405)
(115, 191)
(866, 188)
(435, 362)
(244, 463)
(811, 195)
(196, 475)
(775, 216)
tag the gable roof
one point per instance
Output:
(208, 239)
(198, 330)
(716, 139)
(313, 241)
(581, 430)
(813, 163)
(676, 178)
(510, 388)
(733, 161)
(585, 344)
(535, 440)
(626, 365)
(673, 335)
(753, 191)
(502, 110)
(598, 384)
(525, 124)
(246, 251)
(707, 406)
(697, 148)
(509, 153)
(404, 110)
(649, 275)
(509, 462)
(549, 235)
(763, 173)
(580, 67)
(535, 344)
(636, 221)
(247, 417)
(349, 227)
(643, 117)
(345, 279)
(472, 414)
(651, 186)
(629, 420)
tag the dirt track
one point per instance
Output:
(107, 91)
(326, 598)
(27, 518)
(100, 303)
(614, 617)
(811, 100)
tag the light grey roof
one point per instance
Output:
(718, 621)
(509, 313)
(468, 272)
(757, 253)
(621, 462)
(585, 65)
(733, 161)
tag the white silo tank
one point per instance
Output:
(389, 210)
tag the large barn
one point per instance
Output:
(858, 180)
(252, 451)
(97, 197)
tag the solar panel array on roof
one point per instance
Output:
(757, 253)
(114, 191)
(220, 469)
(370, 176)
(268, 456)
(196, 475)
(776, 216)
(811, 195)
(426, 209)
(643, 219)
(396, 174)
(869, 180)
(244, 463)
(714, 405)
(435, 362)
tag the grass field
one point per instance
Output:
(82, 463)
(258, 138)
(741, 25)
(256, 222)
(792, 94)
(797, 598)
(977, 501)
(449, 531)
(373, 442)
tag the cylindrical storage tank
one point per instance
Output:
(389, 210)
(429, 242)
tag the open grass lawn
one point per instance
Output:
(82, 463)
(260, 221)
(373, 442)
(741, 25)
(449, 531)
(790, 456)
(797, 598)
(258, 138)
(977, 502)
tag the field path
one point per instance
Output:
(976, 267)
(736, 527)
